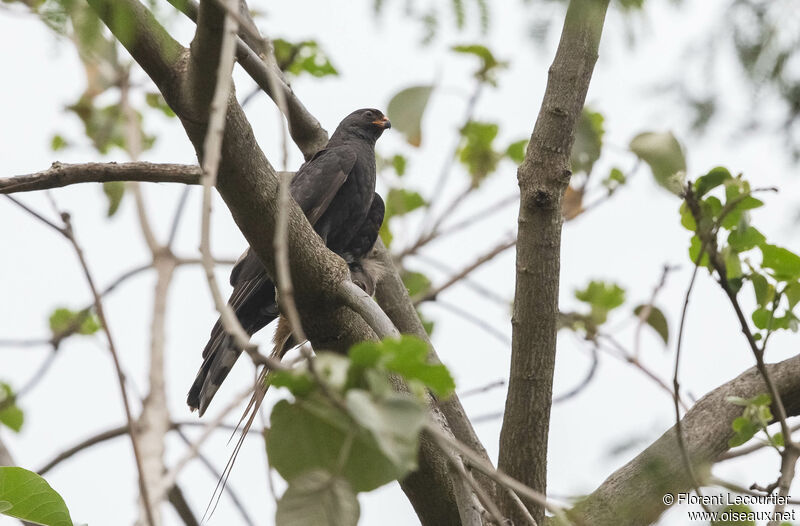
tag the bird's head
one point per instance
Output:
(367, 123)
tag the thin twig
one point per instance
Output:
(212, 154)
(479, 492)
(172, 475)
(98, 306)
(112, 433)
(217, 475)
(644, 314)
(483, 388)
(431, 294)
(498, 476)
(176, 218)
(484, 291)
(475, 320)
(464, 223)
(448, 164)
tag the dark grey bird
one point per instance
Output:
(336, 191)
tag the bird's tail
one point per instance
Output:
(219, 356)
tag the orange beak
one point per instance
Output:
(384, 123)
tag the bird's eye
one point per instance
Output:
(370, 114)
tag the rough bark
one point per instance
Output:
(633, 494)
(543, 176)
(59, 175)
(248, 184)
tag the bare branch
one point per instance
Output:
(501, 478)
(633, 494)
(237, 502)
(171, 476)
(98, 306)
(491, 254)
(304, 128)
(543, 177)
(59, 175)
(361, 302)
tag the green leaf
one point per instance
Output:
(58, 143)
(386, 234)
(400, 201)
(298, 381)
(742, 240)
(516, 150)
(302, 57)
(107, 126)
(10, 414)
(588, 141)
(317, 498)
(31, 498)
(785, 263)
(395, 422)
(733, 265)
(744, 430)
(711, 180)
(114, 191)
(761, 318)
(332, 367)
(615, 179)
(408, 357)
(765, 292)
(687, 219)
(663, 153)
(603, 297)
(406, 109)
(792, 293)
(656, 320)
(777, 439)
(156, 100)
(416, 283)
(489, 64)
(399, 165)
(477, 152)
(694, 252)
(310, 434)
(64, 320)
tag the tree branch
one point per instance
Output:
(633, 494)
(59, 175)
(305, 129)
(543, 176)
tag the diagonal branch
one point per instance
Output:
(304, 128)
(633, 494)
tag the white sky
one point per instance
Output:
(626, 240)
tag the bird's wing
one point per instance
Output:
(317, 181)
(364, 239)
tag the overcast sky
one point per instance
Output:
(626, 240)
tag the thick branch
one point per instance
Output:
(633, 494)
(393, 298)
(306, 131)
(543, 176)
(59, 175)
(249, 185)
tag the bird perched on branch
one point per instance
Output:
(336, 191)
